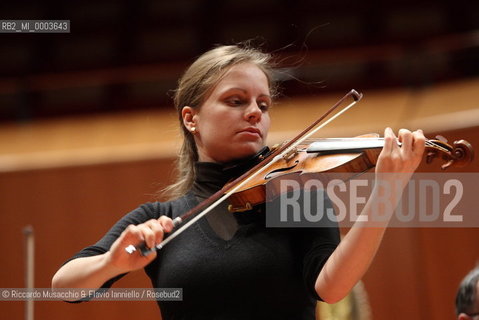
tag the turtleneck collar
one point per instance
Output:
(211, 177)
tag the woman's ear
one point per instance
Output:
(189, 118)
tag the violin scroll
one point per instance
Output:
(459, 154)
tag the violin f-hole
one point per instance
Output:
(270, 174)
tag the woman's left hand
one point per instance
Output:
(398, 162)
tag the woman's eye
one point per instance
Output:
(263, 106)
(235, 101)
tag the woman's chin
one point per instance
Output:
(235, 152)
(249, 149)
(247, 152)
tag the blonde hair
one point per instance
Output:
(194, 88)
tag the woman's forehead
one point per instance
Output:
(244, 76)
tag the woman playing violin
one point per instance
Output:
(230, 265)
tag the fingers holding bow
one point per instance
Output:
(151, 233)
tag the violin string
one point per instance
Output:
(428, 143)
(435, 145)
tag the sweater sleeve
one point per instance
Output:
(141, 214)
(318, 244)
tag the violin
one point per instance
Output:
(321, 158)
(305, 156)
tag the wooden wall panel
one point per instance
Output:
(70, 208)
(416, 272)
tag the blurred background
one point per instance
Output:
(88, 131)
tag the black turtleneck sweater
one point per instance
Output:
(230, 266)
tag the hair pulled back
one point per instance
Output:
(193, 89)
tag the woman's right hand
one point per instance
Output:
(94, 271)
(150, 232)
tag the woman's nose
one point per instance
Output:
(253, 112)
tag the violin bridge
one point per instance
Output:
(290, 154)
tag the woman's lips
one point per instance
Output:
(252, 131)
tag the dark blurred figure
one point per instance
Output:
(467, 299)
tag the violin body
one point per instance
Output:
(349, 157)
